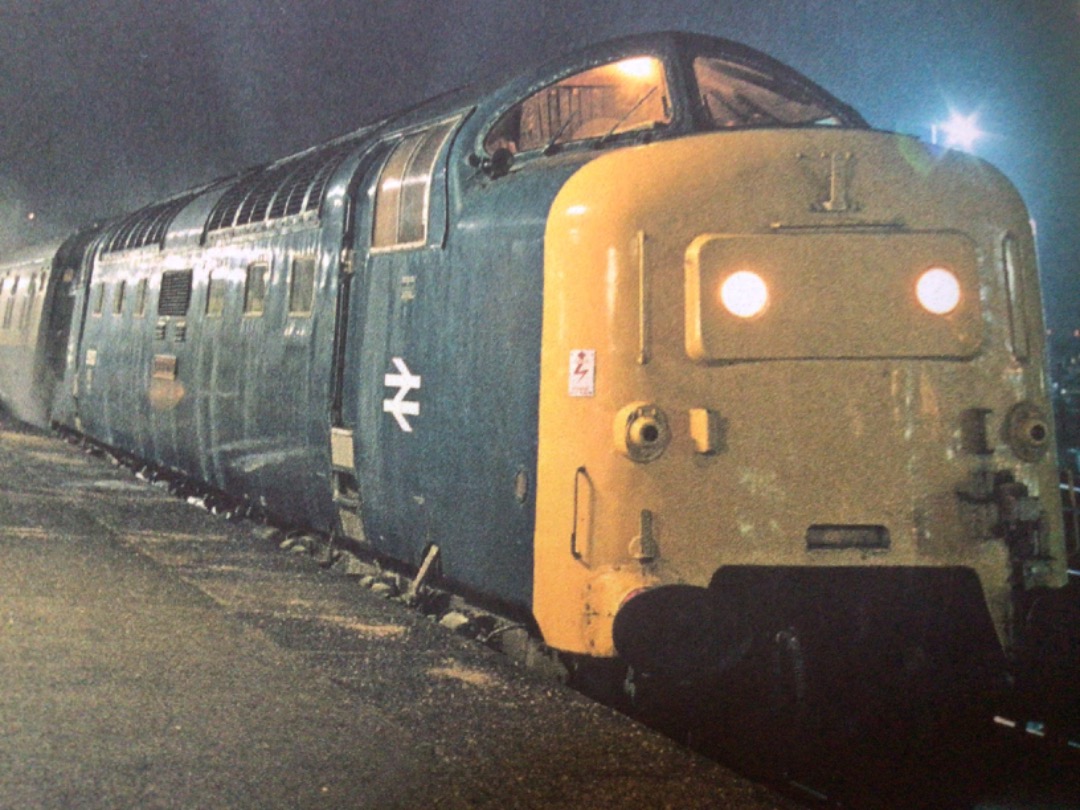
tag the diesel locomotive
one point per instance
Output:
(660, 343)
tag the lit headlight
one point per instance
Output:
(938, 290)
(744, 294)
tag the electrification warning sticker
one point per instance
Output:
(583, 373)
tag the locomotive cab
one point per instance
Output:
(788, 361)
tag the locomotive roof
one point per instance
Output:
(294, 185)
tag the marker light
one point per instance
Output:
(744, 294)
(961, 131)
(938, 290)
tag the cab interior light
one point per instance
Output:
(638, 67)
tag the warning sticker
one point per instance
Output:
(583, 373)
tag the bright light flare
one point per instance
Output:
(638, 67)
(960, 131)
(938, 290)
(744, 294)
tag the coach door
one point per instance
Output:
(390, 357)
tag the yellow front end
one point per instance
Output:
(843, 424)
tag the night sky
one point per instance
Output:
(106, 105)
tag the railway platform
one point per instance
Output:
(155, 656)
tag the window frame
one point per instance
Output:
(666, 82)
(97, 300)
(216, 294)
(422, 139)
(139, 308)
(294, 299)
(250, 311)
(28, 303)
(9, 302)
(118, 299)
(766, 97)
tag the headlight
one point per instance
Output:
(744, 294)
(1027, 431)
(938, 290)
(641, 431)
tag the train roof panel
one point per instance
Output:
(293, 186)
(147, 226)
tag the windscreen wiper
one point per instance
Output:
(554, 138)
(628, 113)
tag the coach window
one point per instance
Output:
(118, 303)
(215, 294)
(255, 288)
(302, 286)
(9, 305)
(140, 298)
(98, 299)
(402, 194)
(630, 95)
(28, 304)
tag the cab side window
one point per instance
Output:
(403, 190)
(624, 96)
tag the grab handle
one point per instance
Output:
(579, 473)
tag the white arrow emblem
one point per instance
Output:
(404, 381)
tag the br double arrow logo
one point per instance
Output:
(404, 381)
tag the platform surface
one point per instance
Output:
(155, 656)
